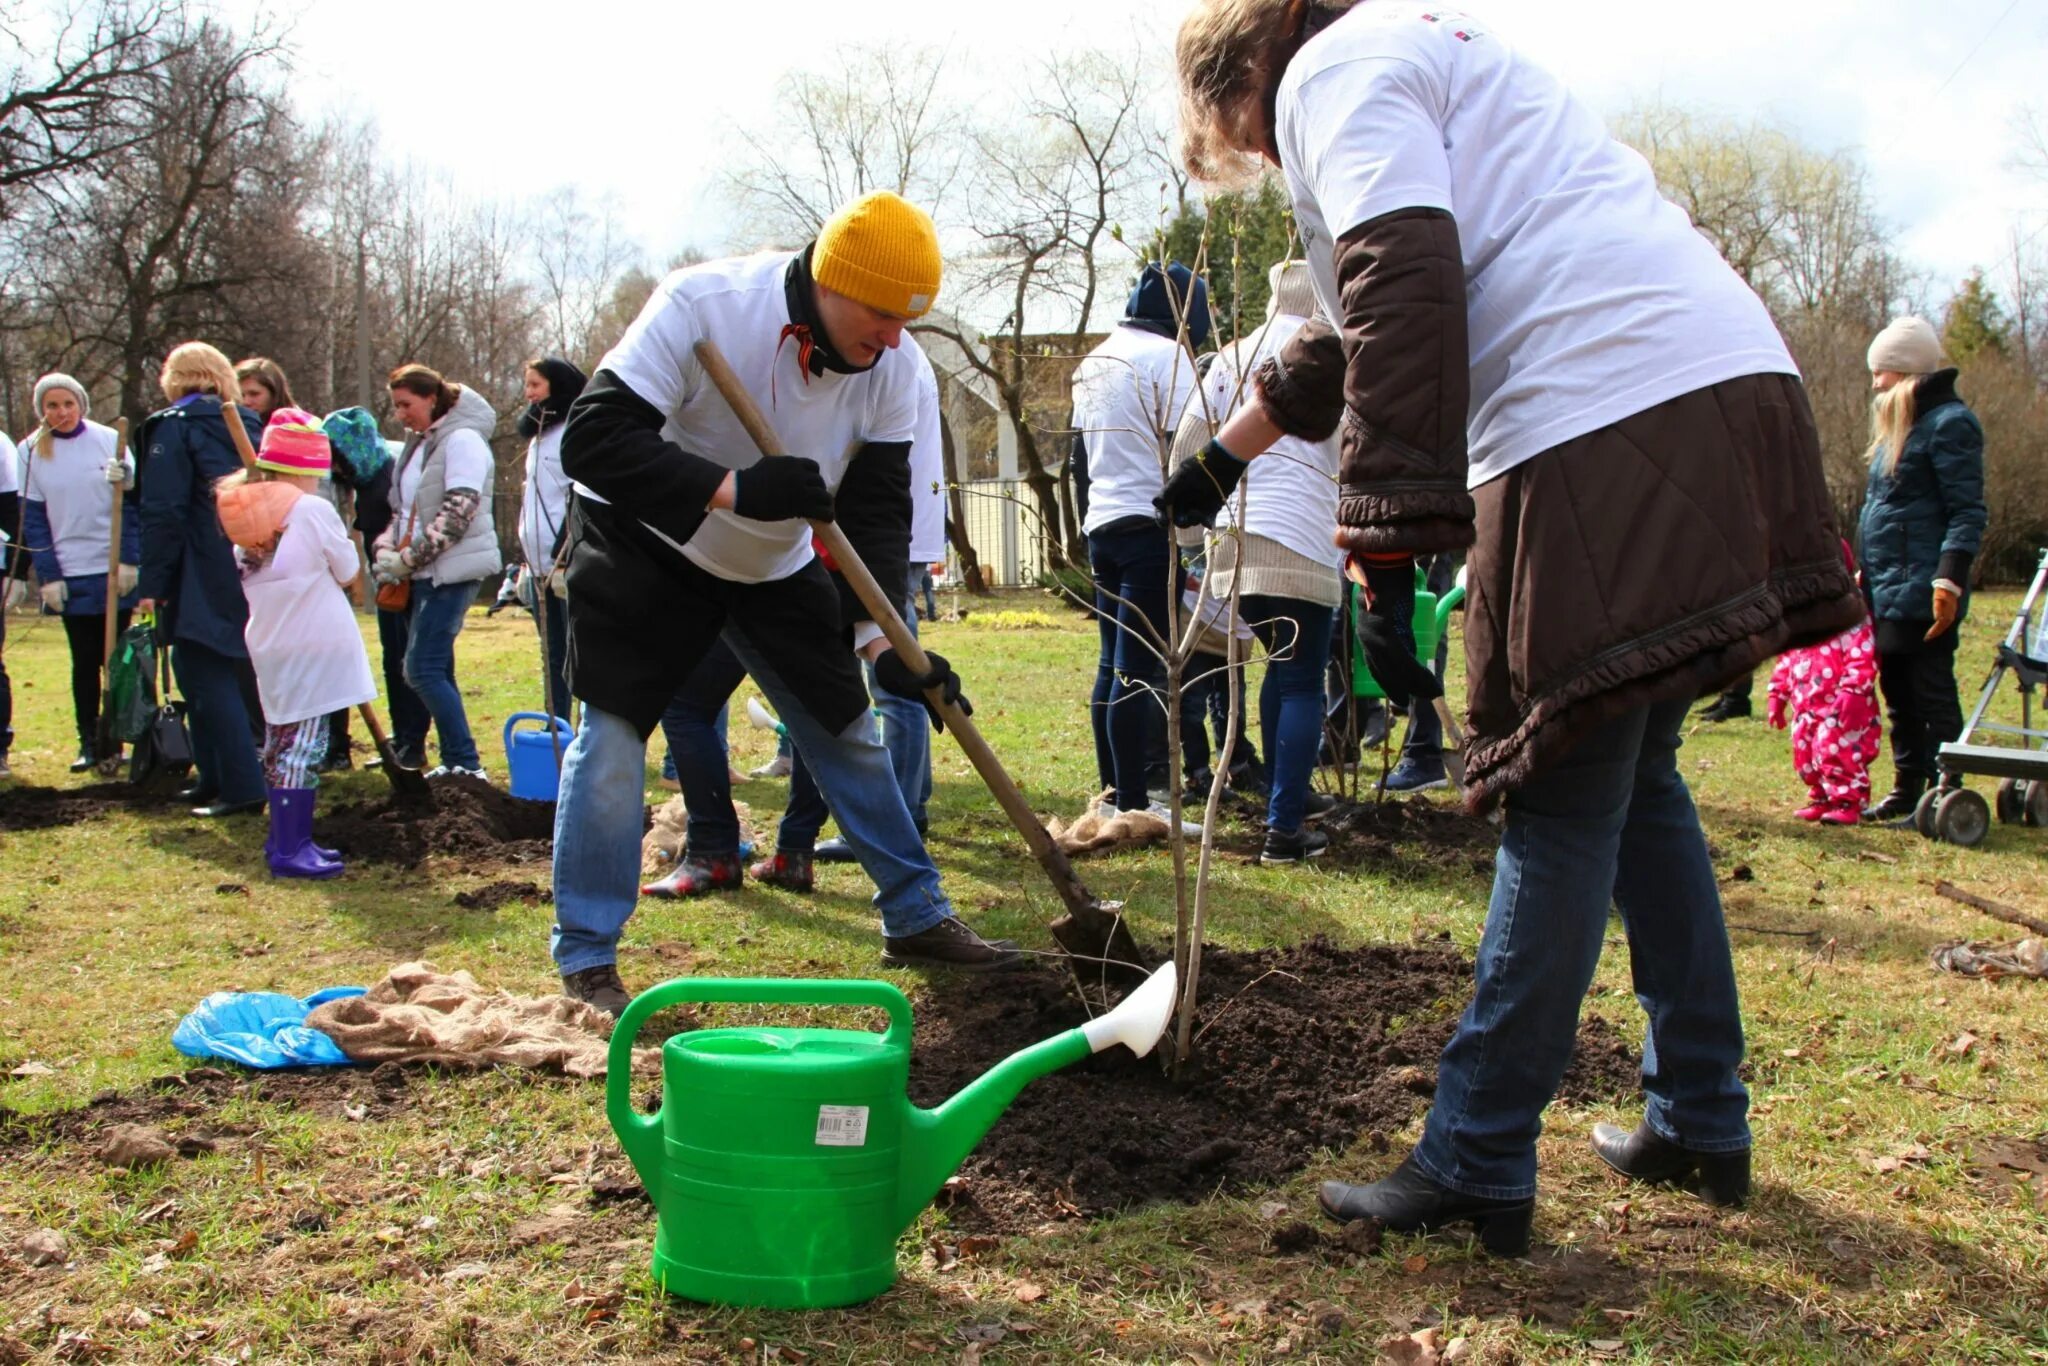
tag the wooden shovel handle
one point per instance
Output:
(882, 610)
(114, 554)
(238, 433)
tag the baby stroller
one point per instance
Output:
(1951, 811)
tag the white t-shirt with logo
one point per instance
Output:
(739, 303)
(1129, 394)
(302, 634)
(1589, 297)
(1289, 494)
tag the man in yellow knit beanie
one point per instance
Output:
(678, 524)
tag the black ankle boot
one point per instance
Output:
(1645, 1155)
(1897, 806)
(1407, 1200)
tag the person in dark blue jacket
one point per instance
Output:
(189, 577)
(1923, 521)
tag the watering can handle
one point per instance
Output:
(512, 722)
(640, 1134)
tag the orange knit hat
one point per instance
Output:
(880, 250)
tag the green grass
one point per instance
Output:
(311, 1236)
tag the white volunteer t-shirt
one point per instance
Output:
(1129, 394)
(927, 470)
(545, 504)
(1589, 297)
(739, 303)
(467, 463)
(1290, 493)
(10, 472)
(302, 635)
(76, 496)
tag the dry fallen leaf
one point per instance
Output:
(1415, 1265)
(34, 1069)
(1028, 1293)
(1961, 1044)
(976, 1244)
(1421, 1348)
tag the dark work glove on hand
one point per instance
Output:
(1401, 676)
(894, 677)
(779, 488)
(1199, 486)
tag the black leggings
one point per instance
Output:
(1920, 694)
(87, 637)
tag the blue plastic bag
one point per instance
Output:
(263, 1029)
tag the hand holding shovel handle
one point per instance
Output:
(1092, 927)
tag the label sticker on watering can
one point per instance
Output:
(842, 1126)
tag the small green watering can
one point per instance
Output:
(784, 1162)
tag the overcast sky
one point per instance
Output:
(640, 100)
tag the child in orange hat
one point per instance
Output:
(298, 567)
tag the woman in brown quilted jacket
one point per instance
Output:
(1532, 355)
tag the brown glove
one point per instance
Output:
(1947, 598)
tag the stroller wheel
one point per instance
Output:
(1923, 812)
(2034, 805)
(1963, 817)
(2011, 802)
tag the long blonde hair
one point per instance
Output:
(1230, 55)
(1891, 422)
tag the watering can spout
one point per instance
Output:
(937, 1141)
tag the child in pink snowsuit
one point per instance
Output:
(1831, 692)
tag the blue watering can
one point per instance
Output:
(534, 757)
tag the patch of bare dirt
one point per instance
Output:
(495, 894)
(28, 807)
(465, 818)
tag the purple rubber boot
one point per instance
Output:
(291, 852)
(270, 842)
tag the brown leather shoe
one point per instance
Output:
(950, 944)
(599, 987)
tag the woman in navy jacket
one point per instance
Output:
(190, 579)
(1922, 524)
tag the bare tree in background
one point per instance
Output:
(580, 255)
(876, 121)
(77, 87)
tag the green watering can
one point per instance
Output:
(784, 1162)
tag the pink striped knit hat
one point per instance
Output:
(294, 444)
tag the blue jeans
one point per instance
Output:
(438, 612)
(1611, 823)
(906, 734)
(598, 823)
(1130, 560)
(223, 750)
(694, 726)
(409, 718)
(1296, 637)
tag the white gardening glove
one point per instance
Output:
(17, 593)
(124, 580)
(54, 595)
(391, 566)
(115, 472)
(558, 584)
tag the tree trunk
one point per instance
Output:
(956, 513)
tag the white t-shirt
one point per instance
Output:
(927, 470)
(1589, 297)
(302, 634)
(739, 303)
(469, 466)
(1129, 394)
(1290, 493)
(545, 503)
(10, 474)
(76, 497)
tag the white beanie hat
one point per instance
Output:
(58, 380)
(1908, 347)
(1293, 294)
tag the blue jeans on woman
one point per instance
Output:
(1130, 560)
(438, 612)
(223, 750)
(600, 818)
(1296, 636)
(1611, 823)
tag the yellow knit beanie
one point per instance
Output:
(881, 251)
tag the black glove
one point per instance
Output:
(1401, 676)
(1199, 486)
(779, 488)
(894, 677)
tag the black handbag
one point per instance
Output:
(164, 749)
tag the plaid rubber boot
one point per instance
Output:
(787, 869)
(697, 874)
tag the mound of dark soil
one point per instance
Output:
(465, 818)
(183, 1102)
(493, 895)
(1413, 833)
(1302, 1049)
(45, 808)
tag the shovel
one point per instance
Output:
(406, 782)
(1091, 929)
(106, 743)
